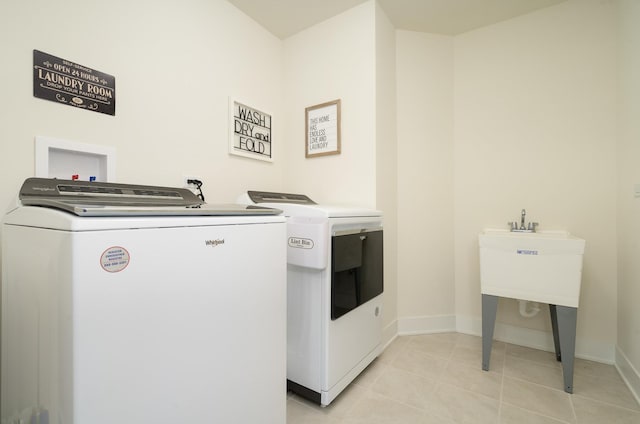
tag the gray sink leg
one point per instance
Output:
(567, 318)
(489, 309)
(554, 327)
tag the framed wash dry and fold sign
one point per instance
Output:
(250, 131)
(322, 127)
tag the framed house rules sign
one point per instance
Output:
(322, 127)
(249, 132)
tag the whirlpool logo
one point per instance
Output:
(526, 252)
(213, 243)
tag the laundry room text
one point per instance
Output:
(66, 82)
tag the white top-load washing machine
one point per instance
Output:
(334, 292)
(138, 304)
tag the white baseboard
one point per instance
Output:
(426, 324)
(537, 339)
(629, 373)
(389, 333)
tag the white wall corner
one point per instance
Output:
(628, 372)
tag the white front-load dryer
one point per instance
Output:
(334, 292)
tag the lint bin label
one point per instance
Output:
(300, 243)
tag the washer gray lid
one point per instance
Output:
(84, 198)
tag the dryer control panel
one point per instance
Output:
(270, 197)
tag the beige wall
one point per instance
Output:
(349, 57)
(628, 348)
(175, 65)
(425, 182)
(332, 60)
(535, 128)
(520, 114)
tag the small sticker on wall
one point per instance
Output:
(115, 259)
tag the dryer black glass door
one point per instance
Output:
(357, 270)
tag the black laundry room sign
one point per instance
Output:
(69, 83)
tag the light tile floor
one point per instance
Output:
(437, 379)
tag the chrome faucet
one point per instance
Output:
(530, 228)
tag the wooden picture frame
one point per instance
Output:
(322, 129)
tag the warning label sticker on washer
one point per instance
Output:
(114, 259)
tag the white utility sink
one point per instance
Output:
(543, 266)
